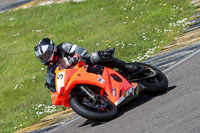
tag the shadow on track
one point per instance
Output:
(123, 109)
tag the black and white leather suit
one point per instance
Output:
(65, 51)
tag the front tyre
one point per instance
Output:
(103, 110)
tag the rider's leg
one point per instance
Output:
(96, 58)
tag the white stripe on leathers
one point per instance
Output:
(73, 48)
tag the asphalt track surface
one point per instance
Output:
(5, 2)
(8, 4)
(177, 111)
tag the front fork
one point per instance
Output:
(87, 91)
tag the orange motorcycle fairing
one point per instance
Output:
(73, 78)
(61, 77)
(115, 86)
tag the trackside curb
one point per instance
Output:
(38, 2)
(182, 61)
(48, 121)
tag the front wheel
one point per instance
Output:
(101, 110)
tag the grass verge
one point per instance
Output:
(136, 28)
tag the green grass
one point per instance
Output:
(133, 28)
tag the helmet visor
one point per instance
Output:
(45, 57)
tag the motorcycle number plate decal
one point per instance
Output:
(60, 80)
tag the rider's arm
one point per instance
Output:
(68, 49)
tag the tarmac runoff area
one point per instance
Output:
(40, 3)
(182, 48)
(12, 5)
(6, 5)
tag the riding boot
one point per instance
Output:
(131, 67)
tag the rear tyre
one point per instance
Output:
(155, 85)
(100, 114)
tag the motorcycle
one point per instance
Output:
(95, 91)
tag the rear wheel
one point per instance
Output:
(156, 84)
(101, 110)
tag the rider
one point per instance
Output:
(66, 54)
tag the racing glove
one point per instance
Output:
(74, 60)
